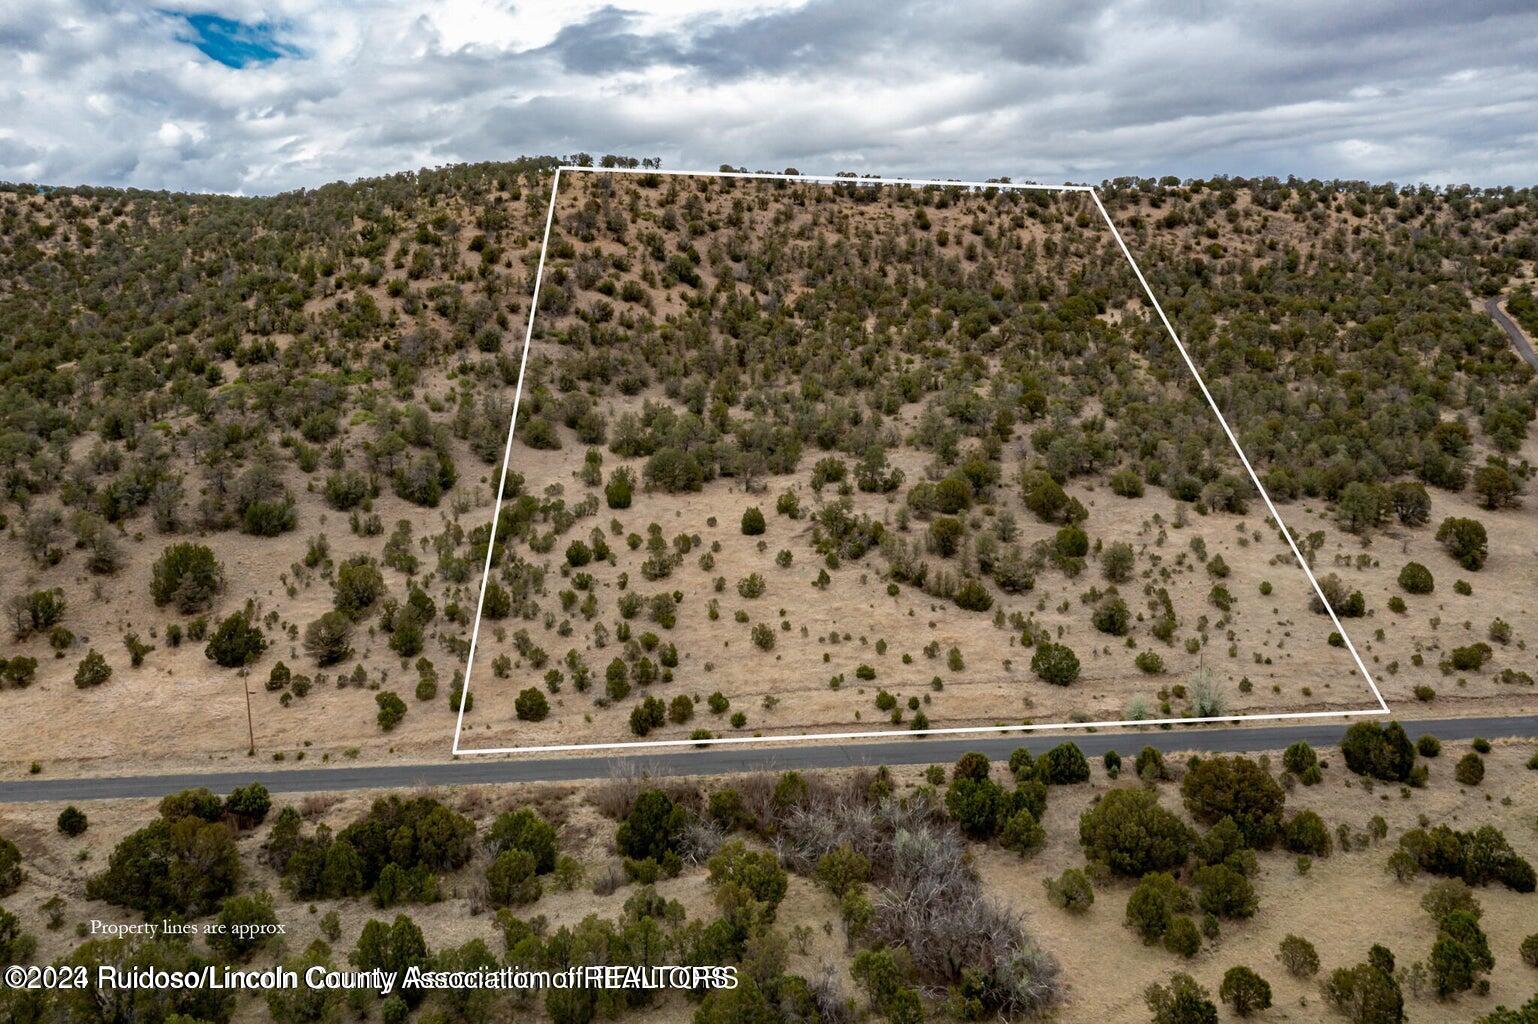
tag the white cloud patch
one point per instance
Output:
(1052, 89)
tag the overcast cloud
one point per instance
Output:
(256, 97)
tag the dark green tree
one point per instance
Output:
(187, 575)
(1238, 788)
(1131, 834)
(1245, 991)
(1182, 1001)
(1465, 540)
(236, 642)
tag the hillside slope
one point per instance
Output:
(316, 387)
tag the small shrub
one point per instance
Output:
(11, 874)
(186, 575)
(680, 709)
(1071, 542)
(1182, 937)
(248, 805)
(246, 923)
(842, 869)
(1182, 1001)
(1238, 788)
(1383, 752)
(531, 705)
(1150, 766)
(1415, 578)
(236, 642)
(1055, 663)
(1465, 540)
(1118, 561)
(511, 879)
(1470, 658)
(1022, 833)
(1448, 895)
(1126, 483)
(1299, 758)
(1064, 765)
(1298, 956)
(620, 489)
(93, 670)
(652, 829)
(1071, 891)
(650, 714)
(1112, 616)
(391, 710)
(1306, 832)
(1470, 770)
(1245, 991)
(524, 829)
(329, 638)
(72, 821)
(358, 587)
(1155, 904)
(973, 596)
(1225, 892)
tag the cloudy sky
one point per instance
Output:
(258, 96)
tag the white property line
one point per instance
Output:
(835, 179)
(1381, 709)
(507, 457)
(1302, 562)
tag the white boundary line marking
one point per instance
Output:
(1275, 516)
(912, 733)
(1381, 709)
(507, 458)
(833, 179)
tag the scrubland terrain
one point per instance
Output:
(252, 446)
(913, 575)
(1048, 888)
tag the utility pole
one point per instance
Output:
(245, 681)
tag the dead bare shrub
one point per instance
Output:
(474, 802)
(832, 1004)
(929, 898)
(616, 796)
(948, 925)
(757, 792)
(549, 802)
(810, 831)
(608, 878)
(701, 838)
(315, 806)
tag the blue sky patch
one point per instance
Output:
(235, 43)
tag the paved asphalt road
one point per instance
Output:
(723, 760)
(1518, 339)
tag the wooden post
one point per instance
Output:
(245, 681)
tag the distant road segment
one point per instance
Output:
(1513, 331)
